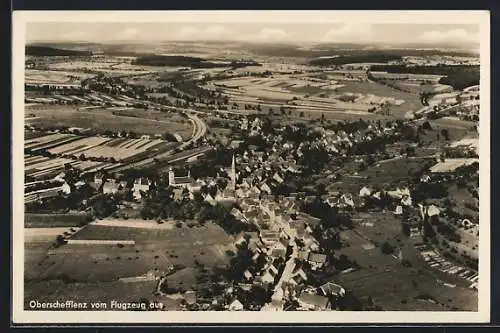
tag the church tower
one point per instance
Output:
(233, 175)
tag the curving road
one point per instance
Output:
(199, 129)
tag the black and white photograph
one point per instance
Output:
(239, 166)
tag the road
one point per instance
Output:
(199, 129)
(286, 275)
(407, 158)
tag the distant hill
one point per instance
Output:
(356, 58)
(47, 51)
(457, 76)
(175, 61)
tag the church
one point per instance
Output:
(183, 182)
(229, 193)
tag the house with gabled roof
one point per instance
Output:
(298, 277)
(332, 289)
(255, 245)
(141, 184)
(365, 192)
(277, 250)
(310, 242)
(317, 260)
(235, 305)
(208, 198)
(269, 274)
(303, 255)
(277, 177)
(110, 187)
(240, 193)
(265, 188)
(247, 275)
(406, 200)
(98, 178)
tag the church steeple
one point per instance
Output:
(233, 175)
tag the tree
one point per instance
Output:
(59, 241)
(406, 263)
(445, 134)
(387, 248)
(370, 160)
(427, 126)
(350, 302)
(320, 189)
(410, 151)
(405, 229)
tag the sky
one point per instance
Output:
(272, 32)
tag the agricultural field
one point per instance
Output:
(102, 120)
(109, 65)
(452, 164)
(50, 167)
(407, 76)
(411, 101)
(313, 95)
(88, 153)
(34, 76)
(119, 149)
(40, 167)
(44, 141)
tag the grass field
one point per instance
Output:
(91, 272)
(394, 172)
(32, 220)
(412, 101)
(43, 235)
(457, 129)
(154, 248)
(391, 285)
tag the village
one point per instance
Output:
(277, 236)
(252, 185)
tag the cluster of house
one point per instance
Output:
(400, 197)
(338, 143)
(284, 234)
